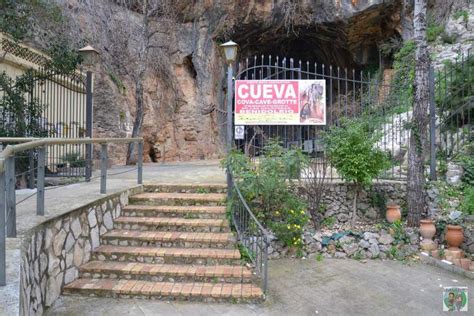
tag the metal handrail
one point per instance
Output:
(10, 150)
(257, 243)
(7, 178)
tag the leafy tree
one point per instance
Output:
(351, 150)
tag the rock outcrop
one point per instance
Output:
(184, 82)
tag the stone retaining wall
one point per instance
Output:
(53, 251)
(338, 199)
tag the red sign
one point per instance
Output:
(280, 102)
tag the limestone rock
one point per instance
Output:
(386, 239)
(59, 242)
(350, 249)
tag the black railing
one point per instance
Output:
(252, 236)
(349, 93)
(455, 104)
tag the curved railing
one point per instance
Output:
(253, 237)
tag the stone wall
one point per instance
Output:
(371, 203)
(53, 251)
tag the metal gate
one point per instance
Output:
(349, 93)
(60, 106)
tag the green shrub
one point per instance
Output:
(467, 205)
(351, 149)
(74, 159)
(267, 188)
(461, 13)
(433, 31)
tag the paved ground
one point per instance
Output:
(307, 287)
(79, 194)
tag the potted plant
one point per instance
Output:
(454, 232)
(393, 213)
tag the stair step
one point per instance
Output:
(165, 272)
(172, 223)
(169, 290)
(167, 255)
(168, 239)
(186, 188)
(161, 198)
(175, 211)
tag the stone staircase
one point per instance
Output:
(171, 242)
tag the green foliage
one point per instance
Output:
(118, 83)
(74, 160)
(245, 254)
(351, 150)
(433, 31)
(467, 205)
(267, 188)
(64, 59)
(329, 221)
(404, 68)
(464, 14)
(319, 257)
(397, 230)
(19, 113)
(466, 160)
(17, 16)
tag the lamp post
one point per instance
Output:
(230, 52)
(90, 57)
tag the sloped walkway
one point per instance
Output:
(307, 287)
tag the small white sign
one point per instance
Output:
(239, 132)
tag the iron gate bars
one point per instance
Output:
(349, 94)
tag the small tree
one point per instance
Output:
(350, 148)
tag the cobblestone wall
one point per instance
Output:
(371, 203)
(53, 251)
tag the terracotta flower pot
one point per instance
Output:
(454, 236)
(427, 228)
(393, 213)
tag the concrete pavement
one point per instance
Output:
(307, 287)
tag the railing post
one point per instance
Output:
(40, 182)
(3, 280)
(432, 126)
(103, 169)
(31, 169)
(89, 118)
(10, 196)
(140, 163)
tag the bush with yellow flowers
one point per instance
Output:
(268, 189)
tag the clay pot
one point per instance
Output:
(427, 228)
(454, 236)
(393, 213)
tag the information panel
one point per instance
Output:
(280, 102)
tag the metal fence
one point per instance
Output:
(56, 105)
(455, 105)
(349, 93)
(8, 178)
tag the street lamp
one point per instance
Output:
(90, 58)
(230, 52)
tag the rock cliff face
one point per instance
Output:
(184, 85)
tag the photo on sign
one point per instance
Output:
(312, 101)
(280, 102)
